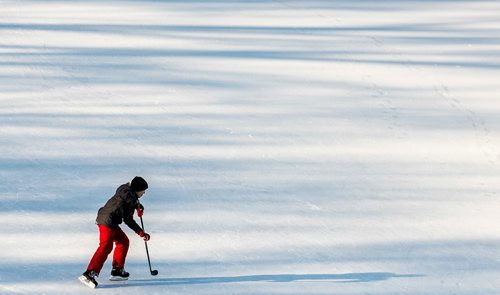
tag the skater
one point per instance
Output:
(119, 208)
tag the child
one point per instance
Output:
(119, 208)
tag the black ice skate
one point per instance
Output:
(119, 274)
(88, 278)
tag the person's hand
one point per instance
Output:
(145, 236)
(140, 210)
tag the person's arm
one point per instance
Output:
(138, 230)
(130, 222)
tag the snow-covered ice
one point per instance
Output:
(291, 147)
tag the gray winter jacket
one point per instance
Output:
(120, 208)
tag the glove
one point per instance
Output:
(144, 236)
(140, 210)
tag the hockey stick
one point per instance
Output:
(153, 272)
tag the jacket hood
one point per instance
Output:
(125, 193)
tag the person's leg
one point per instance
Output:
(122, 243)
(106, 238)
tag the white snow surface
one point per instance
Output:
(291, 147)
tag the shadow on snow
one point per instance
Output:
(276, 278)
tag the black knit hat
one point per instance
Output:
(138, 184)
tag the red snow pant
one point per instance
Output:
(107, 236)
